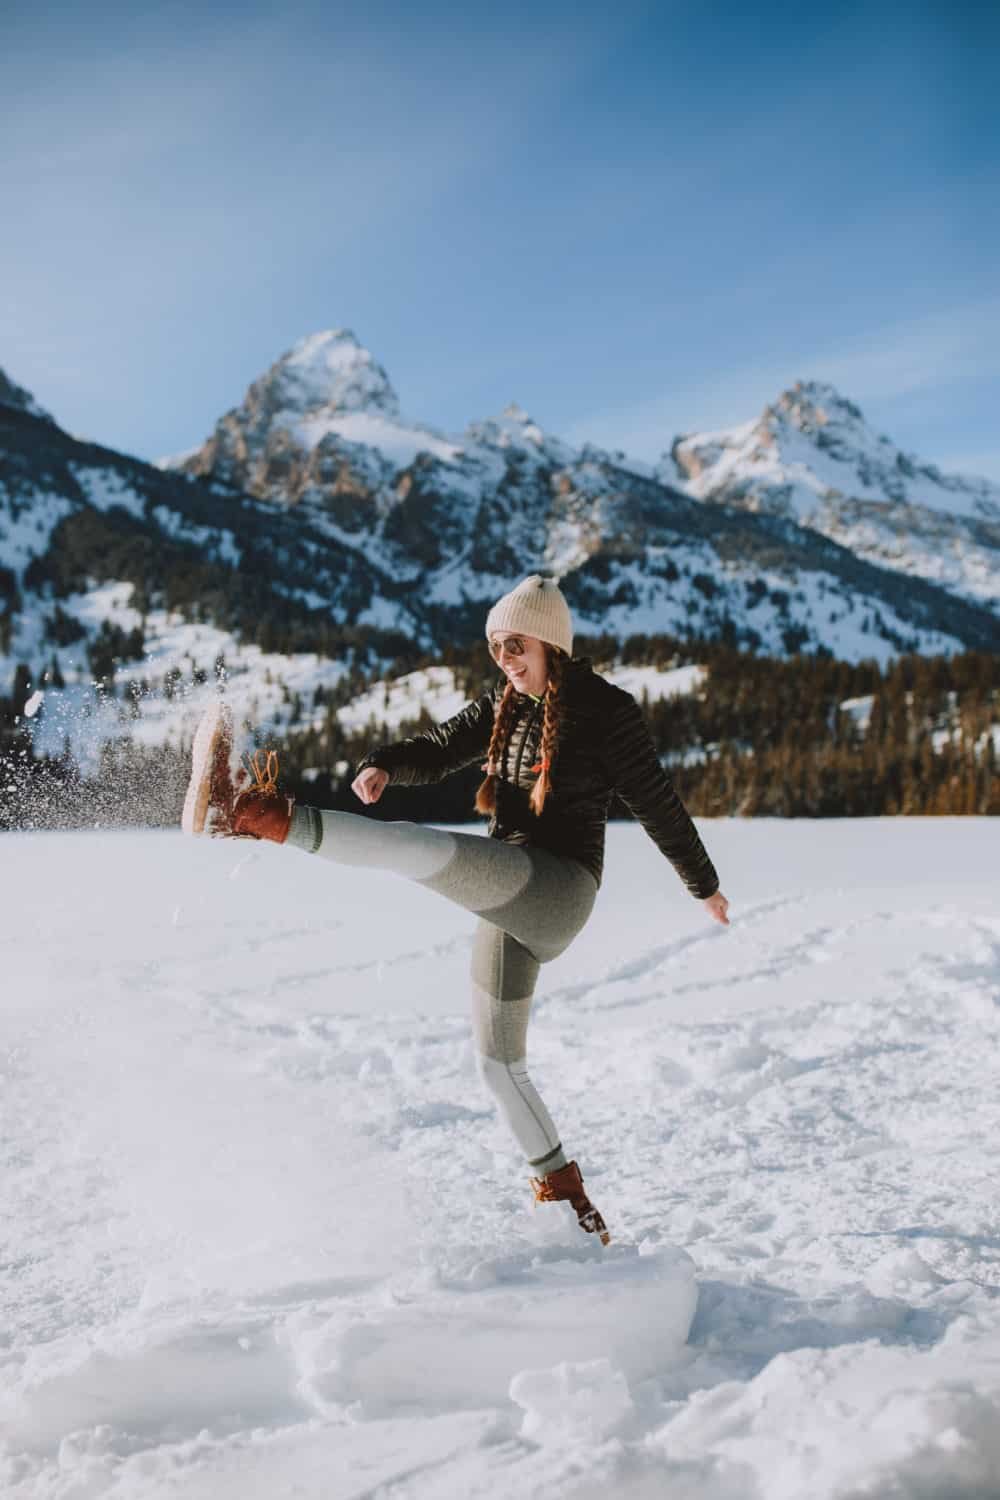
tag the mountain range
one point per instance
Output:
(317, 522)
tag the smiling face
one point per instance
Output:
(527, 669)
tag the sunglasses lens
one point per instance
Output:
(513, 645)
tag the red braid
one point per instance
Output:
(486, 795)
(550, 733)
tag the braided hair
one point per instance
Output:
(486, 796)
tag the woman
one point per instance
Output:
(559, 742)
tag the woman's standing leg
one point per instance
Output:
(503, 982)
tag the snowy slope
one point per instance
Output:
(817, 442)
(276, 696)
(265, 1237)
(261, 687)
(390, 702)
(813, 458)
(91, 539)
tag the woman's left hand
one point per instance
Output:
(717, 906)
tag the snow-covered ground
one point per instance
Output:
(263, 1236)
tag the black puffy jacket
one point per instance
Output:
(604, 748)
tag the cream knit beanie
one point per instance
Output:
(536, 607)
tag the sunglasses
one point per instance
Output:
(513, 645)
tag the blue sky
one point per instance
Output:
(634, 220)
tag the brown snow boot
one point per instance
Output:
(208, 803)
(262, 812)
(566, 1182)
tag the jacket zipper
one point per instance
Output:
(524, 741)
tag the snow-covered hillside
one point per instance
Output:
(174, 681)
(94, 544)
(263, 1235)
(436, 691)
(812, 457)
(277, 696)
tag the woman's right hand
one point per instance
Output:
(370, 784)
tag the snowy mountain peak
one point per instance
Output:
(22, 400)
(516, 429)
(811, 405)
(326, 394)
(811, 457)
(327, 372)
(812, 451)
(517, 426)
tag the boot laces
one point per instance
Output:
(543, 1190)
(263, 767)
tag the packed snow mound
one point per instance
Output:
(918, 1426)
(471, 1336)
(813, 445)
(573, 1399)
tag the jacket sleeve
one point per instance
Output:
(645, 788)
(429, 757)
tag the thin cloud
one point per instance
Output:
(957, 345)
(888, 364)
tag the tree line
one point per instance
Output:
(757, 737)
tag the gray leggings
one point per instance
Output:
(531, 905)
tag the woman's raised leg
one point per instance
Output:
(539, 898)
